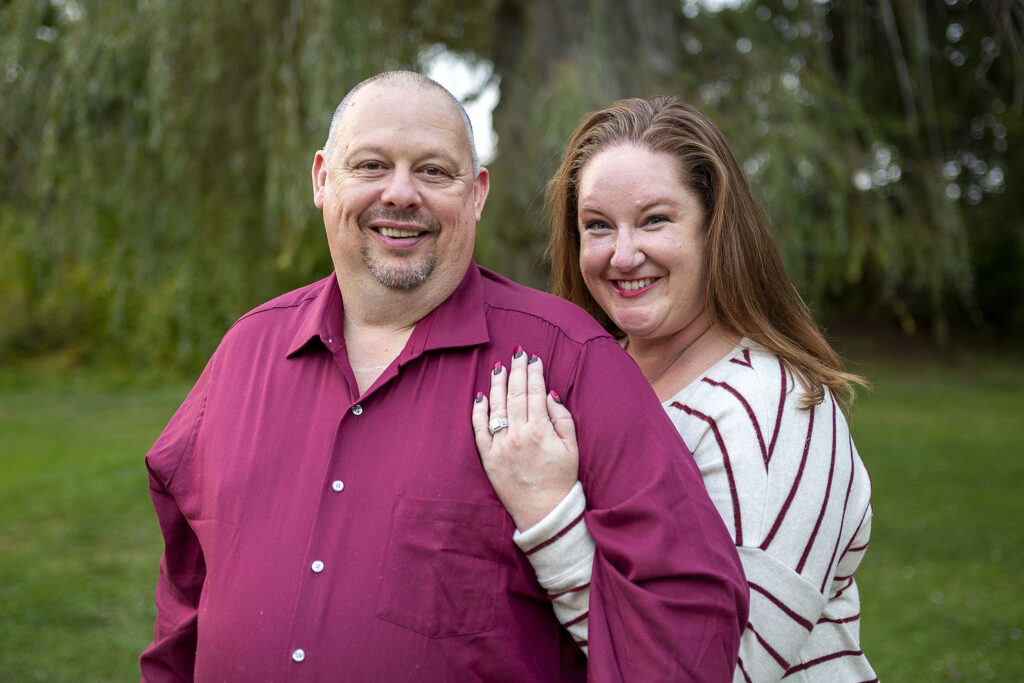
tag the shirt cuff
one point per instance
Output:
(559, 546)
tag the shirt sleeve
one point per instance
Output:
(668, 600)
(171, 654)
(561, 551)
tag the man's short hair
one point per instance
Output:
(403, 78)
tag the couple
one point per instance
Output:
(324, 511)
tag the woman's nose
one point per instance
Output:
(628, 254)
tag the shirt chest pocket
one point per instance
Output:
(443, 566)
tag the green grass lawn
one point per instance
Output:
(941, 586)
(942, 596)
(79, 544)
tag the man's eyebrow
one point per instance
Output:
(441, 156)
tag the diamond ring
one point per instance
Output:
(497, 424)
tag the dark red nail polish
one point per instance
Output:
(479, 397)
(516, 352)
(554, 395)
(534, 358)
(497, 367)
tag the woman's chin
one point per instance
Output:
(636, 329)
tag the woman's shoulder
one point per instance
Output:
(748, 371)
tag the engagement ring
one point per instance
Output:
(497, 424)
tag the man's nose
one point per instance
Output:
(401, 190)
(628, 254)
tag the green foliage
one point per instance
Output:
(154, 155)
(154, 164)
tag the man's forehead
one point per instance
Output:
(378, 109)
(420, 102)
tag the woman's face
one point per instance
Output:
(641, 241)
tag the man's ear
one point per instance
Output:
(481, 186)
(319, 178)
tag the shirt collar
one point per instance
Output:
(323, 321)
(460, 320)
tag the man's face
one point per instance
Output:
(398, 194)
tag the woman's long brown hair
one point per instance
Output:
(746, 290)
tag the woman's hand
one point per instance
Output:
(534, 462)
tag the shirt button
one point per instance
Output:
(298, 655)
(318, 566)
(338, 485)
(357, 409)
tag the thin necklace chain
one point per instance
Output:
(652, 380)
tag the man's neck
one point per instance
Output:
(371, 349)
(379, 321)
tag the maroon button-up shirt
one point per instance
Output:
(315, 534)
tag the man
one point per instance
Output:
(324, 510)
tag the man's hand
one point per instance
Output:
(534, 462)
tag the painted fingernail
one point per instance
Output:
(516, 352)
(479, 397)
(554, 395)
(497, 367)
(534, 358)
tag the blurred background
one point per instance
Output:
(154, 186)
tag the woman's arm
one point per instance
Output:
(533, 466)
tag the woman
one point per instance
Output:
(656, 232)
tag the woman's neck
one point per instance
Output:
(673, 362)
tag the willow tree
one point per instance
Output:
(154, 159)
(875, 132)
(154, 155)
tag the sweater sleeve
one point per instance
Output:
(561, 551)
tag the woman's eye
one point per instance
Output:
(655, 220)
(596, 225)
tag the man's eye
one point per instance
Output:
(371, 165)
(434, 171)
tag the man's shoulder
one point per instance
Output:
(508, 298)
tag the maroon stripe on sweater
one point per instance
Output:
(846, 505)
(847, 620)
(826, 658)
(861, 548)
(746, 676)
(782, 606)
(581, 643)
(725, 461)
(750, 413)
(577, 619)
(768, 648)
(824, 506)
(746, 359)
(792, 491)
(574, 589)
(557, 536)
(778, 413)
(842, 590)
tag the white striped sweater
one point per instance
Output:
(795, 496)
